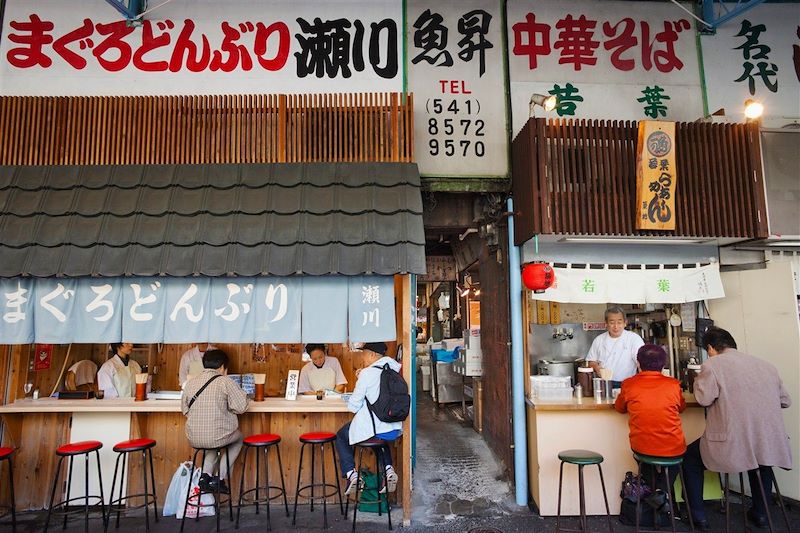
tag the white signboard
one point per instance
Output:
(53, 47)
(603, 60)
(292, 380)
(756, 56)
(456, 72)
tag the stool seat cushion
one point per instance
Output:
(5, 452)
(264, 439)
(74, 448)
(580, 457)
(373, 442)
(317, 437)
(134, 445)
(656, 460)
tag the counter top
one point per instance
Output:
(128, 405)
(587, 404)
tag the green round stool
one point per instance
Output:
(666, 463)
(581, 458)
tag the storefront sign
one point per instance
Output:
(178, 310)
(456, 72)
(605, 60)
(634, 285)
(52, 47)
(440, 268)
(656, 177)
(755, 56)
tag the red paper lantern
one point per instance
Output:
(538, 276)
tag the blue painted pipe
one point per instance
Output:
(518, 371)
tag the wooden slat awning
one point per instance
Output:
(578, 177)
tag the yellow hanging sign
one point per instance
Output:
(656, 177)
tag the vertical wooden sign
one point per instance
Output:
(656, 178)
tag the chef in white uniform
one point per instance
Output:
(117, 377)
(323, 372)
(615, 349)
(192, 362)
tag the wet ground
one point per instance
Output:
(459, 487)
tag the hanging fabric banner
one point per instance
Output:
(325, 309)
(180, 310)
(634, 285)
(656, 176)
(371, 306)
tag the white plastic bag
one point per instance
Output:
(206, 507)
(176, 493)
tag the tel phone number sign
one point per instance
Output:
(455, 70)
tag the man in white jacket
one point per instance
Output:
(361, 428)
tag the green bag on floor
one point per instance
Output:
(369, 496)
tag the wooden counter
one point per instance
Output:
(37, 427)
(554, 426)
(270, 405)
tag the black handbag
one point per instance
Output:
(634, 488)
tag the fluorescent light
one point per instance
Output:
(793, 244)
(590, 240)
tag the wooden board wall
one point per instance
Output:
(260, 128)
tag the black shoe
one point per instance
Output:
(223, 487)
(757, 520)
(205, 483)
(702, 525)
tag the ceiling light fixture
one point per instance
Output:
(753, 109)
(546, 102)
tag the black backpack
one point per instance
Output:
(393, 403)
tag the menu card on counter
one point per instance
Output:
(291, 384)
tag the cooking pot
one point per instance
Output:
(557, 368)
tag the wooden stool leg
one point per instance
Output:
(189, 488)
(685, 497)
(283, 486)
(560, 481)
(266, 476)
(297, 487)
(241, 486)
(338, 484)
(764, 499)
(744, 507)
(582, 499)
(13, 501)
(313, 467)
(777, 490)
(53, 493)
(605, 498)
(69, 487)
(153, 482)
(146, 506)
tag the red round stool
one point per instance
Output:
(145, 446)
(320, 438)
(5, 455)
(71, 450)
(265, 442)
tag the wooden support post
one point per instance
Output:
(408, 375)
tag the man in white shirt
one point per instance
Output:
(116, 378)
(323, 372)
(615, 349)
(192, 362)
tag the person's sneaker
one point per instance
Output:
(223, 487)
(390, 480)
(353, 481)
(205, 483)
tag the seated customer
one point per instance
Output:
(323, 372)
(744, 425)
(211, 420)
(365, 425)
(653, 402)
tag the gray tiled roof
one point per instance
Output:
(211, 220)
